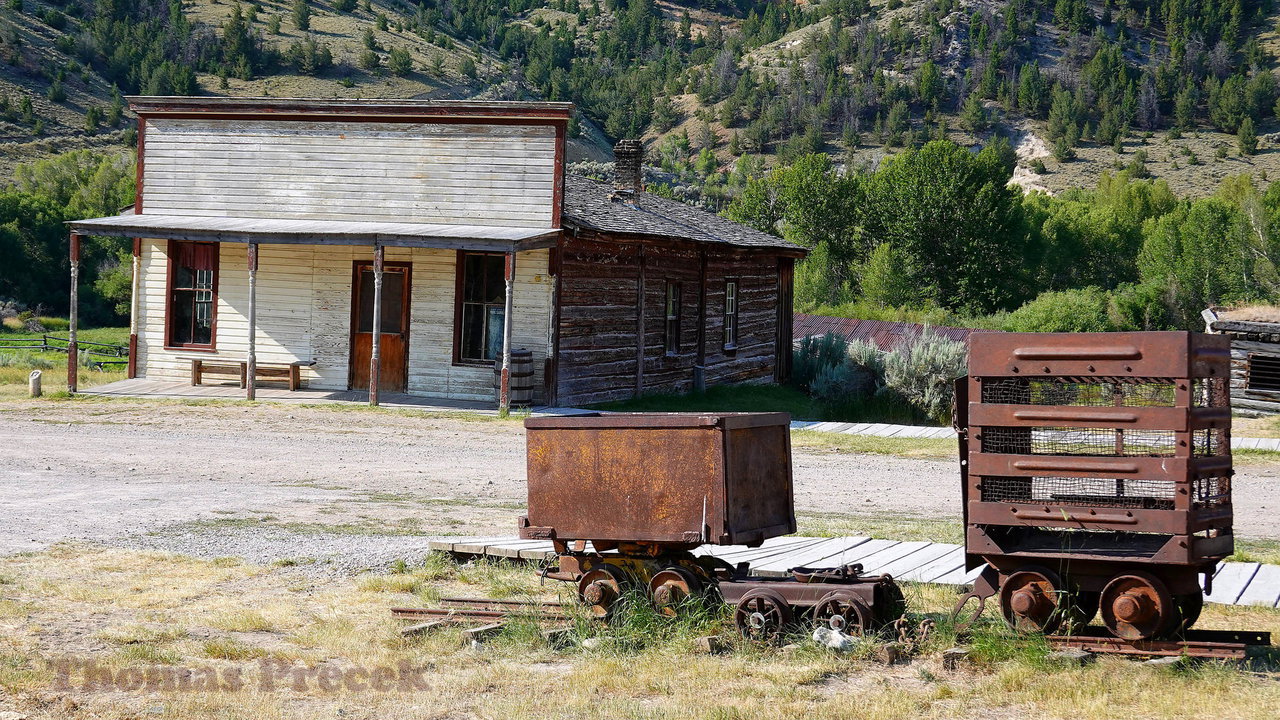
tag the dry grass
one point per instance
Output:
(154, 610)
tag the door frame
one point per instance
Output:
(406, 303)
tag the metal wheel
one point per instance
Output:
(1138, 606)
(600, 587)
(1189, 606)
(1031, 600)
(762, 615)
(842, 610)
(670, 586)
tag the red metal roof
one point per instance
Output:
(884, 334)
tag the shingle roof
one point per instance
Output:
(593, 205)
(884, 334)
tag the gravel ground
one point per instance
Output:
(346, 490)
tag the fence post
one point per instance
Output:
(33, 384)
(73, 350)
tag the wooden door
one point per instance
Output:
(394, 345)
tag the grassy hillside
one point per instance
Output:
(705, 83)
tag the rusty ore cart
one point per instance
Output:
(1097, 474)
(643, 489)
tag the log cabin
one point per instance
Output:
(353, 244)
(1255, 355)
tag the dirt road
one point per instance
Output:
(276, 482)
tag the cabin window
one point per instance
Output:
(482, 288)
(193, 287)
(1264, 372)
(672, 327)
(730, 314)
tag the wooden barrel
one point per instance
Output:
(521, 377)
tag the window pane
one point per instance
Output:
(473, 278)
(472, 331)
(493, 345)
(392, 301)
(180, 317)
(364, 319)
(495, 278)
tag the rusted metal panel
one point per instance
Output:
(1145, 354)
(1136, 418)
(666, 479)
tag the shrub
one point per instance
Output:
(816, 353)
(841, 382)
(309, 57)
(924, 373)
(369, 60)
(1078, 310)
(399, 62)
(301, 15)
(344, 6)
(1143, 306)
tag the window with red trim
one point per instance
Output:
(193, 287)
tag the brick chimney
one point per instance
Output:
(628, 166)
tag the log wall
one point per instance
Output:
(304, 313)
(600, 278)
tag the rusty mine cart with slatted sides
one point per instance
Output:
(1096, 476)
(626, 497)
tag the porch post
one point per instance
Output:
(135, 287)
(73, 348)
(375, 359)
(504, 395)
(251, 371)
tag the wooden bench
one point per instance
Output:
(222, 366)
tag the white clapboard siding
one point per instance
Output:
(304, 313)
(478, 174)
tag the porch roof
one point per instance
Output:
(319, 232)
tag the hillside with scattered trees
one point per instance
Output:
(1142, 120)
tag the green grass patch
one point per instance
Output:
(771, 398)
(107, 335)
(149, 654)
(880, 525)
(1261, 551)
(932, 449)
(229, 649)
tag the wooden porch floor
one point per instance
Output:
(274, 392)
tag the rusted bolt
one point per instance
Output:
(597, 593)
(1015, 368)
(1046, 369)
(1128, 368)
(1092, 369)
(1131, 608)
(1026, 601)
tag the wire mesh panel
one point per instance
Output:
(1089, 492)
(1207, 492)
(1082, 392)
(1211, 392)
(1079, 441)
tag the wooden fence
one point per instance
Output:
(108, 354)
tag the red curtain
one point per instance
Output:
(197, 256)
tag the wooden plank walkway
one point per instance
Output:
(940, 563)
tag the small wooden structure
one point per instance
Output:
(1255, 355)
(412, 245)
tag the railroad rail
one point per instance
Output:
(1206, 644)
(462, 609)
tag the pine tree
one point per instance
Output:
(974, 114)
(1246, 138)
(301, 15)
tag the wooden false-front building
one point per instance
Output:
(384, 244)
